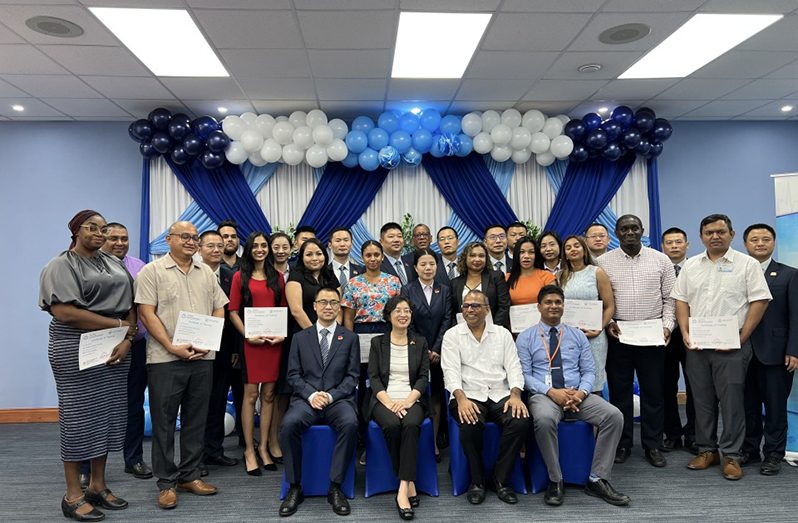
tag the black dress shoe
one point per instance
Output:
(405, 513)
(554, 494)
(505, 493)
(70, 511)
(622, 454)
(655, 457)
(414, 501)
(140, 470)
(203, 470)
(669, 445)
(691, 446)
(748, 457)
(771, 466)
(100, 499)
(84, 481)
(221, 460)
(292, 500)
(475, 494)
(442, 440)
(338, 501)
(602, 489)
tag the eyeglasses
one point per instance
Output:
(328, 303)
(186, 237)
(212, 246)
(421, 235)
(597, 236)
(475, 306)
(94, 228)
(442, 239)
(497, 237)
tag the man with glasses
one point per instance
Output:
(422, 239)
(447, 243)
(228, 230)
(496, 242)
(323, 369)
(598, 239)
(482, 372)
(180, 376)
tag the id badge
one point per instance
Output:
(547, 380)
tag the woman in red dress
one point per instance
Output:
(257, 284)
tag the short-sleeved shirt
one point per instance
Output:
(527, 287)
(163, 285)
(368, 299)
(134, 266)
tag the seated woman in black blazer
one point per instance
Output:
(399, 372)
(476, 275)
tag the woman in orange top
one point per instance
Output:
(527, 276)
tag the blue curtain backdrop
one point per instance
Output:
(654, 217)
(144, 226)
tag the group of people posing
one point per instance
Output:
(437, 328)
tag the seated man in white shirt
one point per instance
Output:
(482, 372)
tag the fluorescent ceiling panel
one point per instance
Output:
(699, 41)
(436, 45)
(167, 41)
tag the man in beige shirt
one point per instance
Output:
(180, 376)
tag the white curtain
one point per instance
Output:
(168, 198)
(286, 195)
(632, 197)
(530, 193)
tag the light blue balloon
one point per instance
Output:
(430, 119)
(401, 141)
(378, 138)
(369, 159)
(412, 157)
(351, 160)
(356, 141)
(408, 123)
(388, 121)
(422, 140)
(362, 123)
(466, 145)
(389, 157)
(450, 124)
(435, 149)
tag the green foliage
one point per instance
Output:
(407, 231)
(532, 229)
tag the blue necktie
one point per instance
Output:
(325, 348)
(557, 377)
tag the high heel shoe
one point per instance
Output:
(271, 467)
(70, 510)
(405, 513)
(253, 472)
(414, 501)
(278, 460)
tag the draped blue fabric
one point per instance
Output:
(586, 190)
(341, 198)
(654, 217)
(468, 186)
(144, 226)
(223, 194)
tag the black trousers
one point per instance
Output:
(648, 362)
(185, 386)
(401, 437)
(136, 383)
(674, 357)
(224, 376)
(471, 438)
(767, 385)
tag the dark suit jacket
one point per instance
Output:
(494, 287)
(430, 320)
(440, 273)
(339, 378)
(508, 263)
(777, 333)
(232, 343)
(354, 269)
(409, 269)
(380, 367)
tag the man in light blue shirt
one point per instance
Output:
(559, 372)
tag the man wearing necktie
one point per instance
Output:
(392, 243)
(559, 372)
(340, 246)
(496, 242)
(447, 243)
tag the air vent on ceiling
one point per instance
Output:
(623, 34)
(52, 26)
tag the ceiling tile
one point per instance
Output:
(463, 107)
(128, 86)
(549, 108)
(159, 4)
(778, 37)
(86, 107)
(345, 89)
(725, 108)
(371, 63)
(658, 6)
(421, 89)
(95, 33)
(764, 89)
(555, 6)
(203, 107)
(203, 88)
(33, 108)
(773, 109)
(446, 6)
(566, 67)
(7, 36)
(26, 59)
(788, 71)
(42, 118)
(481, 89)
(745, 64)
(141, 108)
(271, 63)
(278, 88)
(250, 29)
(593, 105)
(533, 32)
(241, 4)
(510, 64)
(348, 29)
(699, 89)
(9, 91)
(673, 108)
(746, 6)
(403, 106)
(347, 5)
(634, 89)
(348, 111)
(92, 60)
(282, 107)
(555, 91)
(760, 117)
(662, 25)
(53, 86)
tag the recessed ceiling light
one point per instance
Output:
(167, 41)
(699, 41)
(787, 108)
(624, 34)
(222, 110)
(436, 45)
(18, 108)
(52, 26)
(589, 68)
(603, 110)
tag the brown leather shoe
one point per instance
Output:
(167, 498)
(732, 469)
(704, 460)
(198, 487)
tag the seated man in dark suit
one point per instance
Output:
(775, 344)
(559, 373)
(323, 368)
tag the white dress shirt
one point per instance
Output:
(336, 267)
(400, 271)
(493, 261)
(446, 263)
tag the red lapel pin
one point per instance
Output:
(340, 338)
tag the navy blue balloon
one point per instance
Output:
(596, 140)
(412, 157)
(212, 160)
(623, 116)
(613, 130)
(193, 145)
(644, 122)
(147, 150)
(161, 142)
(579, 153)
(204, 126)
(592, 121)
(647, 110)
(612, 152)
(631, 137)
(217, 141)
(179, 126)
(594, 153)
(179, 155)
(140, 130)
(643, 147)
(389, 157)
(662, 130)
(575, 130)
(656, 149)
(160, 118)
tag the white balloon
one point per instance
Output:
(281, 119)
(561, 147)
(564, 118)
(471, 124)
(339, 128)
(298, 118)
(249, 118)
(264, 123)
(271, 151)
(533, 120)
(337, 150)
(539, 143)
(256, 159)
(316, 156)
(490, 119)
(483, 143)
(233, 126)
(293, 154)
(545, 159)
(229, 423)
(521, 156)
(303, 136)
(252, 140)
(501, 153)
(501, 134)
(511, 118)
(236, 153)
(521, 138)
(316, 117)
(323, 135)
(283, 132)
(553, 127)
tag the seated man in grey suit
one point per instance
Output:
(559, 373)
(323, 368)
